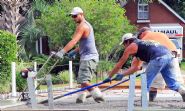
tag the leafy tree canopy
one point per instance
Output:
(106, 17)
(178, 6)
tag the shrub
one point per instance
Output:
(21, 83)
(8, 50)
(64, 76)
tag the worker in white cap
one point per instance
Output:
(89, 56)
(158, 57)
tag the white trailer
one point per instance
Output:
(174, 32)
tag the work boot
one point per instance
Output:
(81, 97)
(97, 95)
(152, 95)
(181, 90)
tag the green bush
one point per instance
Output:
(21, 83)
(182, 66)
(64, 76)
(56, 80)
(8, 50)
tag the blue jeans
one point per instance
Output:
(163, 64)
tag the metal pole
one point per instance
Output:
(31, 90)
(50, 91)
(70, 75)
(144, 92)
(35, 80)
(13, 79)
(131, 92)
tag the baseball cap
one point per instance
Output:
(76, 11)
(143, 29)
(126, 36)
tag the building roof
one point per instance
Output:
(171, 10)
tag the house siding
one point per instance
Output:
(158, 14)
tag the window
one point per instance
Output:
(1, 10)
(143, 10)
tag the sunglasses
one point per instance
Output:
(125, 42)
(74, 16)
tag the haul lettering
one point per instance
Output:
(167, 31)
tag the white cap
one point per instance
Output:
(76, 11)
(126, 36)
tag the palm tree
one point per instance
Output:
(28, 37)
(22, 25)
(29, 32)
(11, 14)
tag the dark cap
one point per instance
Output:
(143, 30)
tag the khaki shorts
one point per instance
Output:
(86, 70)
(159, 81)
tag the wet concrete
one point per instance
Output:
(115, 100)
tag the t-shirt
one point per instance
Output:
(150, 49)
(161, 38)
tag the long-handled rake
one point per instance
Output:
(88, 87)
(79, 90)
(115, 85)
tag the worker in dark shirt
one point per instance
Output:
(157, 56)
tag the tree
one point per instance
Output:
(106, 17)
(178, 6)
(11, 14)
(30, 33)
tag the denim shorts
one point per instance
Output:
(86, 70)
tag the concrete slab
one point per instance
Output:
(115, 100)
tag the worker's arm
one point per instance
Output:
(130, 50)
(135, 66)
(76, 37)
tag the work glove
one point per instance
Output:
(107, 80)
(119, 77)
(72, 54)
(59, 54)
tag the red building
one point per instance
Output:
(159, 17)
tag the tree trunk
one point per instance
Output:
(11, 14)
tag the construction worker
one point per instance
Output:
(146, 34)
(157, 56)
(89, 56)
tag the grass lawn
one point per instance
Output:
(182, 66)
(55, 86)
